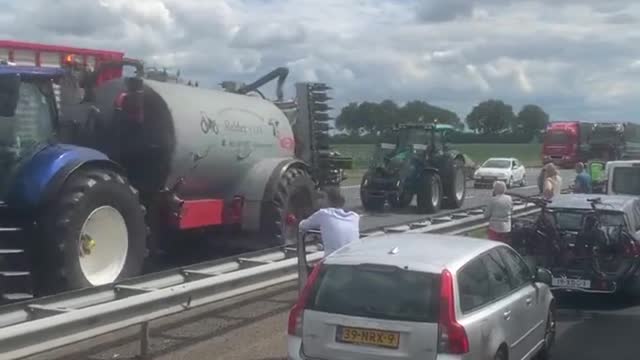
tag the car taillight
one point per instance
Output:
(295, 315)
(453, 338)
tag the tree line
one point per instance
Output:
(489, 117)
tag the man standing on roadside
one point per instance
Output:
(582, 183)
(337, 226)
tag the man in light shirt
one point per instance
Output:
(498, 212)
(337, 226)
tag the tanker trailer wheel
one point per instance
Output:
(95, 233)
(294, 199)
(454, 186)
(430, 194)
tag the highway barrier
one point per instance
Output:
(39, 325)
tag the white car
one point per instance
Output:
(509, 170)
(423, 297)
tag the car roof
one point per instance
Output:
(579, 201)
(31, 71)
(420, 252)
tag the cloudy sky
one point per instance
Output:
(579, 59)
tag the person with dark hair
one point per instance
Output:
(337, 226)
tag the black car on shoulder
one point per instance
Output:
(591, 243)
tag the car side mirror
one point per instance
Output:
(9, 94)
(543, 275)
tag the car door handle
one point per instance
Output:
(507, 314)
(528, 301)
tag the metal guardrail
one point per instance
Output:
(39, 325)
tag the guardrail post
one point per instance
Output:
(144, 341)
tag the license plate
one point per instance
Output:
(359, 336)
(491, 178)
(573, 283)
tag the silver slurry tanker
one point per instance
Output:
(138, 162)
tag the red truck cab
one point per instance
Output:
(562, 142)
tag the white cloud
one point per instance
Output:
(575, 58)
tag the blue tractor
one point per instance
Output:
(57, 200)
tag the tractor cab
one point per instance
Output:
(407, 143)
(28, 113)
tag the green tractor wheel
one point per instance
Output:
(430, 195)
(404, 198)
(369, 203)
(455, 184)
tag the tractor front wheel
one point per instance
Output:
(369, 203)
(94, 233)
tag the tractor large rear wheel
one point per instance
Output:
(430, 194)
(454, 185)
(294, 199)
(94, 233)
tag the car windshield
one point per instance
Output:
(557, 138)
(571, 220)
(626, 180)
(497, 164)
(375, 291)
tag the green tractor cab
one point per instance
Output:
(414, 160)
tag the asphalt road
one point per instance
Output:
(474, 198)
(253, 327)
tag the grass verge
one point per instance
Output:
(529, 154)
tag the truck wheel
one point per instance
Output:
(430, 196)
(293, 200)
(455, 187)
(95, 233)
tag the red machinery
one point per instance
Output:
(30, 54)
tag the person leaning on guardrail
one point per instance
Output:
(498, 211)
(337, 226)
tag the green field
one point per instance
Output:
(529, 154)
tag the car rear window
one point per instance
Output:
(626, 180)
(574, 220)
(377, 291)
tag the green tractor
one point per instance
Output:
(414, 159)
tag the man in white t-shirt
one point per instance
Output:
(337, 226)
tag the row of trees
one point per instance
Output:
(488, 117)
(368, 117)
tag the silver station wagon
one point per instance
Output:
(423, 296)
